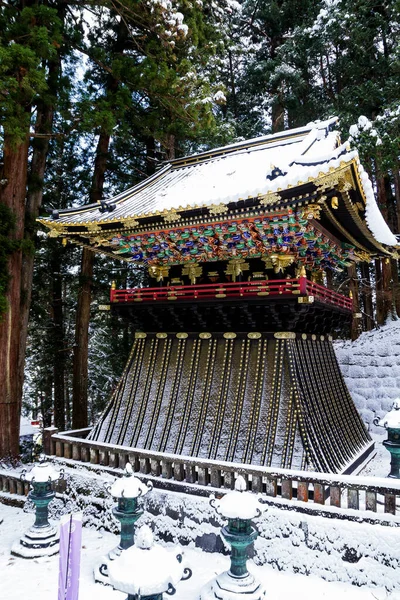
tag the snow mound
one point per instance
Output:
(371, 369)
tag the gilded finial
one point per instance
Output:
(113, 285)
(302, 271)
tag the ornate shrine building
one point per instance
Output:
(232, 358)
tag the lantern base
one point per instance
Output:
(37, 542)
(227, 587)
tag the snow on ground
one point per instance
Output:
(37, 579)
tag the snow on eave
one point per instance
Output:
(373, 216)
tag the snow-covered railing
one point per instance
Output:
(304, 489)
(11, 483)
(282, 288)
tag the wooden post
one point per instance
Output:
(166, 469)
(302, 491)
(190, 473)
(47, 441)
(319, 493)
(287, 489)
(335, 496)
(179, 472)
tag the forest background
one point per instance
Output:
(94, 94)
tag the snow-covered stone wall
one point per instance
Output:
(371, 368)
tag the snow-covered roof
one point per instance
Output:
(262, 168)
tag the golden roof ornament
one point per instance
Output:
(93, 227)
(236, 267)
(270, 198)
(342, 181)
(158, 272)
(218, 209)
(301, 272)
(311, 211)
(171, 215)
(193, 271)
(281, 262)
(130, 222)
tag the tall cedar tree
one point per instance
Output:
(30, 34)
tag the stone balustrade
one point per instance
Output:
(303, 489)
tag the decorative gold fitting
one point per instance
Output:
(285, 335)
(193, 271)
(205, 335)
(305, 299)
(270, 198)
(113, 285)
(218, 209)
(335, 202)
(171, 215)
(130, 222)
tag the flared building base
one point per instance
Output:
(259, 398)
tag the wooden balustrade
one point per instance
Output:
(299, 488)
(246, 289)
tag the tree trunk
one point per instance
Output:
(12, 195)
(353, 285)
(59, 345)
(80, 367)
(386, 303)
(81, 349)
(396, 285)
(366, 295)
(43, 125)
(150, 155)
(387, 288)
(380, 316)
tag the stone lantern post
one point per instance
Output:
(147, 570)
(42, 539)
(127, 490)
(391, 422)
(239, 507)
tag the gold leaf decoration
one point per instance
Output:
(236, 267)
(193, 271)
(182, 335)
(130, 222)
(171, 215)
(159, 272)
(229, 335)
(311, 211)
(270, 198)
(93, 227)
(284, 335)
(281, 262)
(254, 335)
(218, 209)
(205, 335)
(362, 256)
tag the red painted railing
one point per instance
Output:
(278, 287)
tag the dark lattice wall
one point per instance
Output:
(247, 398)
